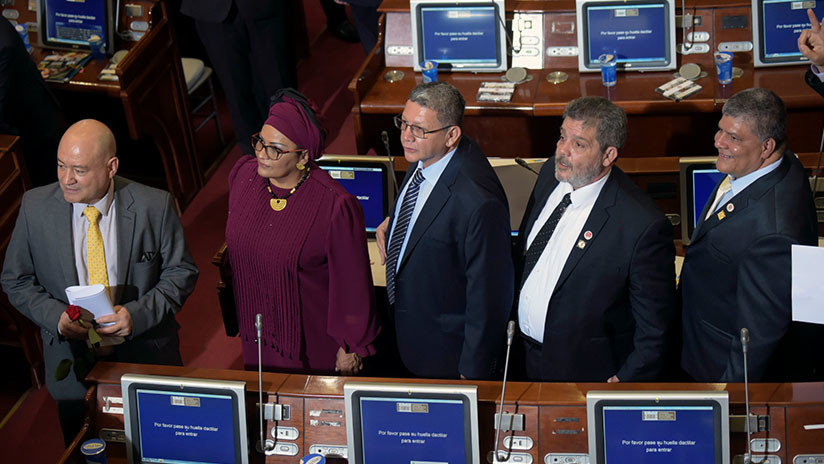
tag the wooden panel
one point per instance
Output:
(156, 103)
(563, 429)
(15, 329)
(801, 440)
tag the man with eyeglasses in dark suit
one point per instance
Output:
(446, 244)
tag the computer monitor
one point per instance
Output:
(640, 33)
(68, 24)
(776, 25)
(411, 423)
(369, 178)
(176, 419)
(698, 178)
(658, 427)
(461, 35)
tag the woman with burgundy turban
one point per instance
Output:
(297, 248)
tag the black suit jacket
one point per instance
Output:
(216, 11)
(814, 82)
(614, 302)
(453, 288)
(736, 274)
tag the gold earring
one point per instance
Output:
(300, 166)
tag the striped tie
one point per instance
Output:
(95, 254)
(399, 233)
(539, 243)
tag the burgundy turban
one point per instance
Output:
(293, 115)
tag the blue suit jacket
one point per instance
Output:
(611, 311)
(737, 273)
(453, 288)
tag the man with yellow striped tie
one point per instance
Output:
(93, 227)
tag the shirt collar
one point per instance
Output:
(585, 195)
(738, 185)
(433, 172)
(104, 205)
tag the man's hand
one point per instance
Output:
(71, 329)
(348, 363)
(811, 41)
(122, 326)
(613, 379)
(380, 238)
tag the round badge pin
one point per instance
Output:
(588, 235)
(730, 207)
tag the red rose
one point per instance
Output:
(73, 312)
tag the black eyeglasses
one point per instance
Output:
(271, 151)
(417, 131)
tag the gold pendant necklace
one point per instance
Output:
(278, 204)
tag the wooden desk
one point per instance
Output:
(529, 124)
(554, 413)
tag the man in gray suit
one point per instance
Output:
(148, 269)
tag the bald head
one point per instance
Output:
(89, 136)
(86, 161)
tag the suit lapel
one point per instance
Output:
(60, 212)
(435, 203)
(125, 229)
(592, 227)
(739, 202)
(541, 196)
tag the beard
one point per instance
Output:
(578, 176)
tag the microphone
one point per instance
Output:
(385, 140)
(259, 327)
(745, 341)
(525, 165)
(510, 334)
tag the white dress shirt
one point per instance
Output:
(431, 175)
(533, 302)
(108, 229)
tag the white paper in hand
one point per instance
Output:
(92, 298)
(808, 280)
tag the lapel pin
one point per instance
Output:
(721, 215)
(581, 244)
(730, 207)
(588, 235)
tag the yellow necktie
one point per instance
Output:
(96, 255)
(725, 187)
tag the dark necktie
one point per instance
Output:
(399, 234)
(534, 252)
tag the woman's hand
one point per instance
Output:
(348, 363)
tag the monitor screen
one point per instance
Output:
(639, 33)
(368, 179)
(776, 27)
(68, 24)
(658, 427)
(459, 35)
(698, 178)
(179, 420)
(406, 423)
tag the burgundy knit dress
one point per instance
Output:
(305, 269)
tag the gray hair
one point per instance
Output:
(443, 98)
(763, 111)
(609, 119)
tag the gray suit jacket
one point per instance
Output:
(155, 273)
